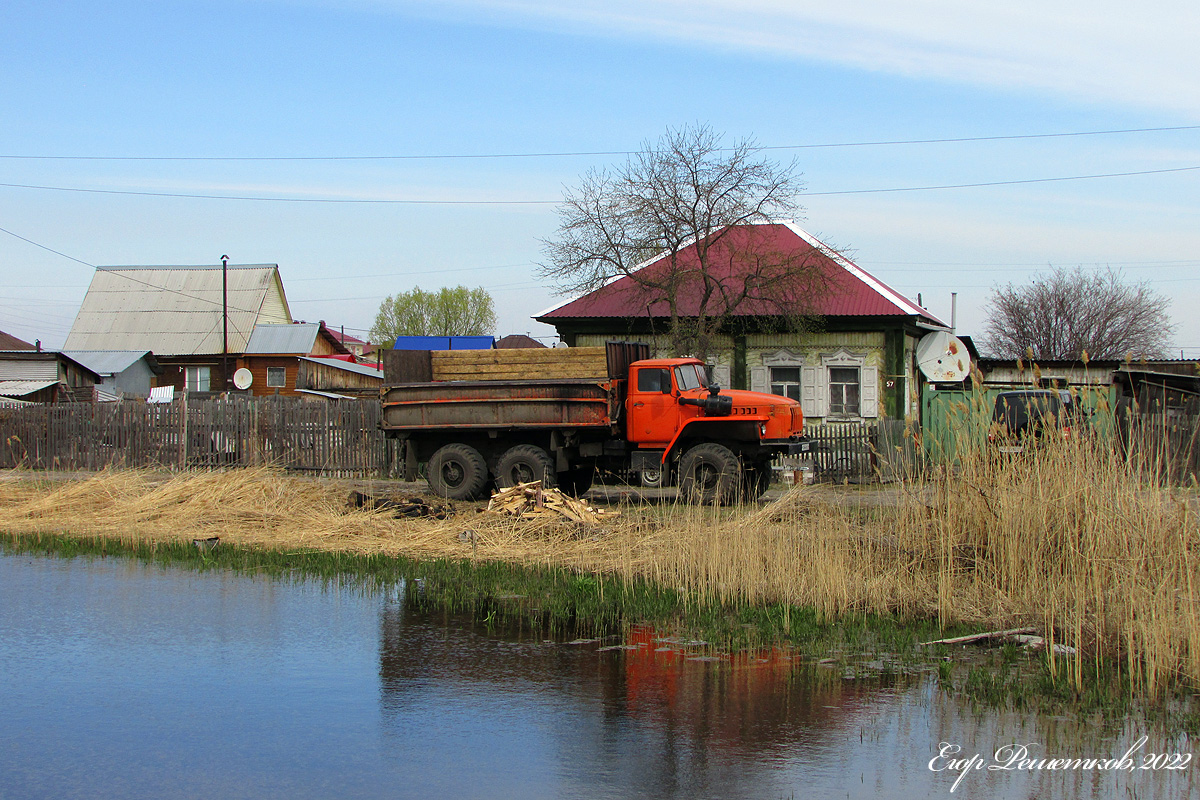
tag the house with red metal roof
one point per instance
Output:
(857, 361)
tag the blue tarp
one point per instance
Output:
(443, 343)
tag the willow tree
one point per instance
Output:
(457, 311)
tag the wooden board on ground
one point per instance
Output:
(515, 365)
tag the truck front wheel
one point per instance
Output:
(710, 473)
(457, 471)
(525, 463)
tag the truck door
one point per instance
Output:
(653, 413)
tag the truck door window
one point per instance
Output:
(653, 380)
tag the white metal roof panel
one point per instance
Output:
(275, 339)
(20, 369)
(22, 388)
(176, 310)
(337, 363)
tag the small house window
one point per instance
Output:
(197, 379)
(843, 391)
(785, 382)
(276, 377)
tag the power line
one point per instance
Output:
(1005, 183)
(344, 200)
(579, 153)
(373, 201)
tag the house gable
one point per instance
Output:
(177, 311)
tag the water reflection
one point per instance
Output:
(133, 681)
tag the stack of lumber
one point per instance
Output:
(527, 500)
(520, 365)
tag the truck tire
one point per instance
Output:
(756, 479)
(710, 473)
(577, 481)
(524, 463)
(457, 471)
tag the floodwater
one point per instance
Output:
(120, 679)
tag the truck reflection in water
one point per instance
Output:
(651, 717)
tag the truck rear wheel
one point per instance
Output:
(525, 463)
(457, 471)
(710, 473)
(577, 481)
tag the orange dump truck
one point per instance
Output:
(567, 416)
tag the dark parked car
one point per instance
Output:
(1029, 415)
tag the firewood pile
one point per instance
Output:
(529, 500)
(401, 506)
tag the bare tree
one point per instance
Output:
(689, 199)
(447, 312)
(1069, 312)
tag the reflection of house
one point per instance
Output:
(44, 377)
(123, 373)
(859, 364)
(181, 314)
(305, 357)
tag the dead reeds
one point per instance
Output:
(1071, 540)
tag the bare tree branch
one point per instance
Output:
(684, 190)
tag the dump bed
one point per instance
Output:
(569, 403)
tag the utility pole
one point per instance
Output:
(225, 322)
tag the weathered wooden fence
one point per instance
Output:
(1166, 446)
(338, 438)
(858, 452)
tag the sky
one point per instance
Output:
(371, 146)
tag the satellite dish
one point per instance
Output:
(243, 378)
(942, 358)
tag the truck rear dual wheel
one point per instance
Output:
(457, 471)
(710, 474)
(525, 463)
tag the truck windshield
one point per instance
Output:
(690, 376)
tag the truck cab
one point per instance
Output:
(680, 424)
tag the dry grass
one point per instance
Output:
(1072, 541)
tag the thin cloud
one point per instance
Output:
(1138, 55)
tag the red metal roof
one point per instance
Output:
(844, 288)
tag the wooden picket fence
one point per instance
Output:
(336, 438)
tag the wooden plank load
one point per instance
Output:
(520, 365)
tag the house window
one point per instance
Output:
(197, 379)
(785, 382)
(276, 377)
(843, 391)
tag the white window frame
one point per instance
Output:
(868, 383)
(275, 370)
(197, 379)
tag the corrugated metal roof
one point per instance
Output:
(107, 362)
(176, 310)
(22, 388)
(845, 288)
(275, 339)
(361, 369)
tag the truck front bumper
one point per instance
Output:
(789, 447)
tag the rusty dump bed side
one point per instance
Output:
(498, 404)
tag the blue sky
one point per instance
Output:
(342, 78)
